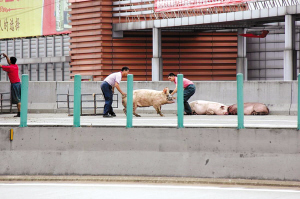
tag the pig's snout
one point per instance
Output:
(169, 98)
(226, 113)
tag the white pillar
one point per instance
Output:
(289, 63)
(157, 71)
(241, 60)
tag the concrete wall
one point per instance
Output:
(191, 152)
(279, 96)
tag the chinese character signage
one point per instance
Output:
(174, 5)
(25, 18)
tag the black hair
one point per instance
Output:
(171, 75)
(13, 60)
(125, 68)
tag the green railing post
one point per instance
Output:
(298, 124)
(24, 101)
(77, 101)
(129, 107)
(180, 109)
(240, 100)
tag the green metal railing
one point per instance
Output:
(180, 109)
(298, 123)
(129, 106)
(240, 100)
(77, 101)
(24, 101)
(180, 104)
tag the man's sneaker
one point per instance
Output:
(113, 115)
(107, 116)
(188, 114)
(18, 115)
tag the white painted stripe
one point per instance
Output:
(171, 119)
(153, 186)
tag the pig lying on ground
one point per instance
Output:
(147, 97)
(201, 107)
(250, 109)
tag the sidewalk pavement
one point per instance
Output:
(154, 120)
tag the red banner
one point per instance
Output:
(175, 5)
(55, 17)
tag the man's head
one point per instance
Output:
(125, 71)
(171, 77)
(13, 60)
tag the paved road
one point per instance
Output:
(138, 191)
(170, 120)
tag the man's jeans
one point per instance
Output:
(187, 93)
(108, 96)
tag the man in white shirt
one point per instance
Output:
(108, 87)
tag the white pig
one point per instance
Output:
(147, 97)
(250, 108)
(201, 107)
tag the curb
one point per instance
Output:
(161, 180)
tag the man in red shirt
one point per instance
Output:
(189, 90)
(13, 73)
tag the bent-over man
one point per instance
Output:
(189, 90)
(108, 86)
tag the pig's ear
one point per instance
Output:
(165, 90)
(222, 107)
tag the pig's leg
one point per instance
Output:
(124, 109)
(160, 113)
(124, 103)
(134, 109)
(210, 112)
(262, 113)
(158, 109)
(248, 110)
(170, 102)
(261, 109)
(254, 113)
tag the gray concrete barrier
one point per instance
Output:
(272, 154)
(279, 96)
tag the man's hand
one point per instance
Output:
(0, 59)
(7, 58)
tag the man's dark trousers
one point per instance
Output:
(187, 93)
(108, 96)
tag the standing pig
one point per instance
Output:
(201, 107)
(250, 109)
(147, 97)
